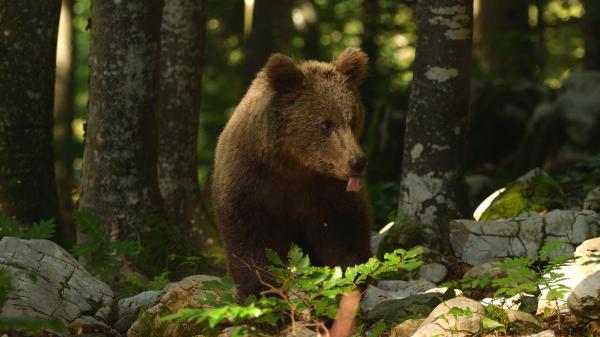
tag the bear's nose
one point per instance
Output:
(358, 164)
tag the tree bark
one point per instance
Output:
(271, 32)
(64, 143)
(120, 182)
(369, 45)
(432, 190)
(591, 34)
(182, 46)
(28, 49)
(503, 38)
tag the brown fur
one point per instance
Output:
(280, 177)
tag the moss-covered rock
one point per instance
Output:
(536, 192)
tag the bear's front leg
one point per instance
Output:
(342, 242)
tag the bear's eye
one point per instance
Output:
(326, 126)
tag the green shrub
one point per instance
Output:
(295, 291)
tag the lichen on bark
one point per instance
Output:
(432, 190)
(182, 47)
(120, 182)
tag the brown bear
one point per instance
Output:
(288, 167)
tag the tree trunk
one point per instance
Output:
(182, 46)
(432, 190)
(271, 32)
(311, 32)
(28, 49)
(120, 182)
(503, 38)
(369, 45)
(591, 34)
(64, 143)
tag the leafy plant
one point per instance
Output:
(100, 252)
(295, 292)
(519, 276)
(137, 285)
(39, 230)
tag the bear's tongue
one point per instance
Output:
(354, 184)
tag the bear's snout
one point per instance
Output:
(357, 165)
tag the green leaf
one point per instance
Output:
(490, 324)
(9, 227)
(377, 329)
(296, 258)
(274, 258)
(42, 230)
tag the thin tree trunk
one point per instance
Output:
(311, 32)
(432, 190)
(120, 182)
(271, 32)
(182, 46)
(64, 143)
(591, 34)
(27, 63)
(503, 38)
(369, 46)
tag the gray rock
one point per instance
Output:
(441, 323)
(433, 272)
(392, 285)
(478, 242)
(393, 289)
(129, 308)
(592, 200)
(586, 263)
(576, 111)
(87, 326)
(372, 296)
(406, 328)
(397, 309)
(405, 288)
(176, 296)
(523, 322)
(49, 282)
(524, 302)
(584, 300)
(488, 269)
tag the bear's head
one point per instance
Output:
(316, 114)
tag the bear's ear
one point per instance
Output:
(353, 63)
(282, 73)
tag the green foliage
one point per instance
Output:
(519, 276)
(540, 193)
(580, 179)
(295, 291)
(100, 252)
(39, 230)
(135, 284)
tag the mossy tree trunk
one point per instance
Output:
(272, 30)
(120, 182)
(27, 64)
(591, 34)
(182, 45)
(503, 38)
(432, 190)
